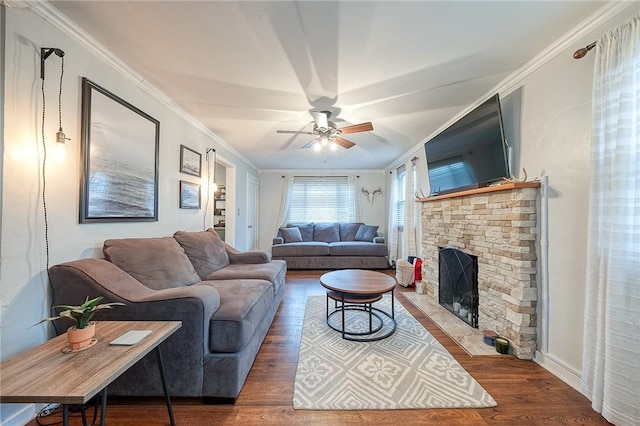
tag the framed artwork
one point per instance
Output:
(189, 195)
(120, 144)
(190, 161)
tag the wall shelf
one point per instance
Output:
(484, 190)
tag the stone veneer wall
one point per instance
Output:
(499, 228)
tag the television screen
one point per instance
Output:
(470, 153)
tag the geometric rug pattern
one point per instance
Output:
(408, 370)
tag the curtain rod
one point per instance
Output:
(581, 53)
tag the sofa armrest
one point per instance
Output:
(378, 240)
(247, 257)
(277, 240)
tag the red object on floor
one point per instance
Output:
(417, 274)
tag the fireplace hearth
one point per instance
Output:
(458, 284)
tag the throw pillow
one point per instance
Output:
(291, 235)
(326, 232)
(158, 263)
(306, 229)
(366, 233)
(205, 249)
(348, 230)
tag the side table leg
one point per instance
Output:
(103, 409)
(164, 386)
(65, 415)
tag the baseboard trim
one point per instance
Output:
(559, 369)
(22, 415)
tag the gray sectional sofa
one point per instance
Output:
(338, 245)
(226, 300)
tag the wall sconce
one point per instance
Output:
(45, 52)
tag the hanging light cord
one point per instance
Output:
(44, 177)
(60, 95)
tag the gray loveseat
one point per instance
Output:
(337, 245)
(226, 301)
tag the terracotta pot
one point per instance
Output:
(79, 338)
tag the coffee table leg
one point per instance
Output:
(343, 323)
(393, 308)
(164, 386)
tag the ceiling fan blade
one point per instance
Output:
(309, 144)
(362, 127)
(343, 142)
(294, 132)
(321, 118)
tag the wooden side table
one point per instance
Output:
(45, 374)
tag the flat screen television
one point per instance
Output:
(470, 153)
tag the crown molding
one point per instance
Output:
(605, 13)
(57, 19)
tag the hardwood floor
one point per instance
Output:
(525, 392)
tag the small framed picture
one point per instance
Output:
(190, 161)
(189, 195)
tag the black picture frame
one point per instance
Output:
(119, 148)
(190, 161)
(190, 195)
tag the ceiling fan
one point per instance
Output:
(326, 132)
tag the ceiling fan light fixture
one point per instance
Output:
(317, 146)
(324, 140)
(333, 146)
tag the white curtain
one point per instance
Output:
(354, 200)
(392, 226)
(611, 350)
(285, 198)
(409, 233)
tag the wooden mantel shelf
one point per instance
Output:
(484, 190)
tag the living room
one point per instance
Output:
(547, 104)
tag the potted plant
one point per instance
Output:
(80, 335)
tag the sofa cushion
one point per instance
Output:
(357, 248)
(306, 229)
(291, 235)
(314, 248)
(348, 230)
(205, 249)
(158, 263)
(366, 233)
(326, 232)
(244, 304)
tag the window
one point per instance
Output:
(321, 199)
(401, 183)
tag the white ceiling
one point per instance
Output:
(245, 69)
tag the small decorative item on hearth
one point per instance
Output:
(80, 336)
(502, 345)
(489, 337)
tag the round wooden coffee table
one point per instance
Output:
(357, 290)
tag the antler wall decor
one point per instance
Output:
(371, 194)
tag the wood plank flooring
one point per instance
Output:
(526, 393)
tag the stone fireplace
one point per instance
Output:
(498, 226)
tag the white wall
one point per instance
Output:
(24, 290)
(271, 190)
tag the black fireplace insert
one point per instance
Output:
(458, 279)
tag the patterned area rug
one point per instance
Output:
(409, 369)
